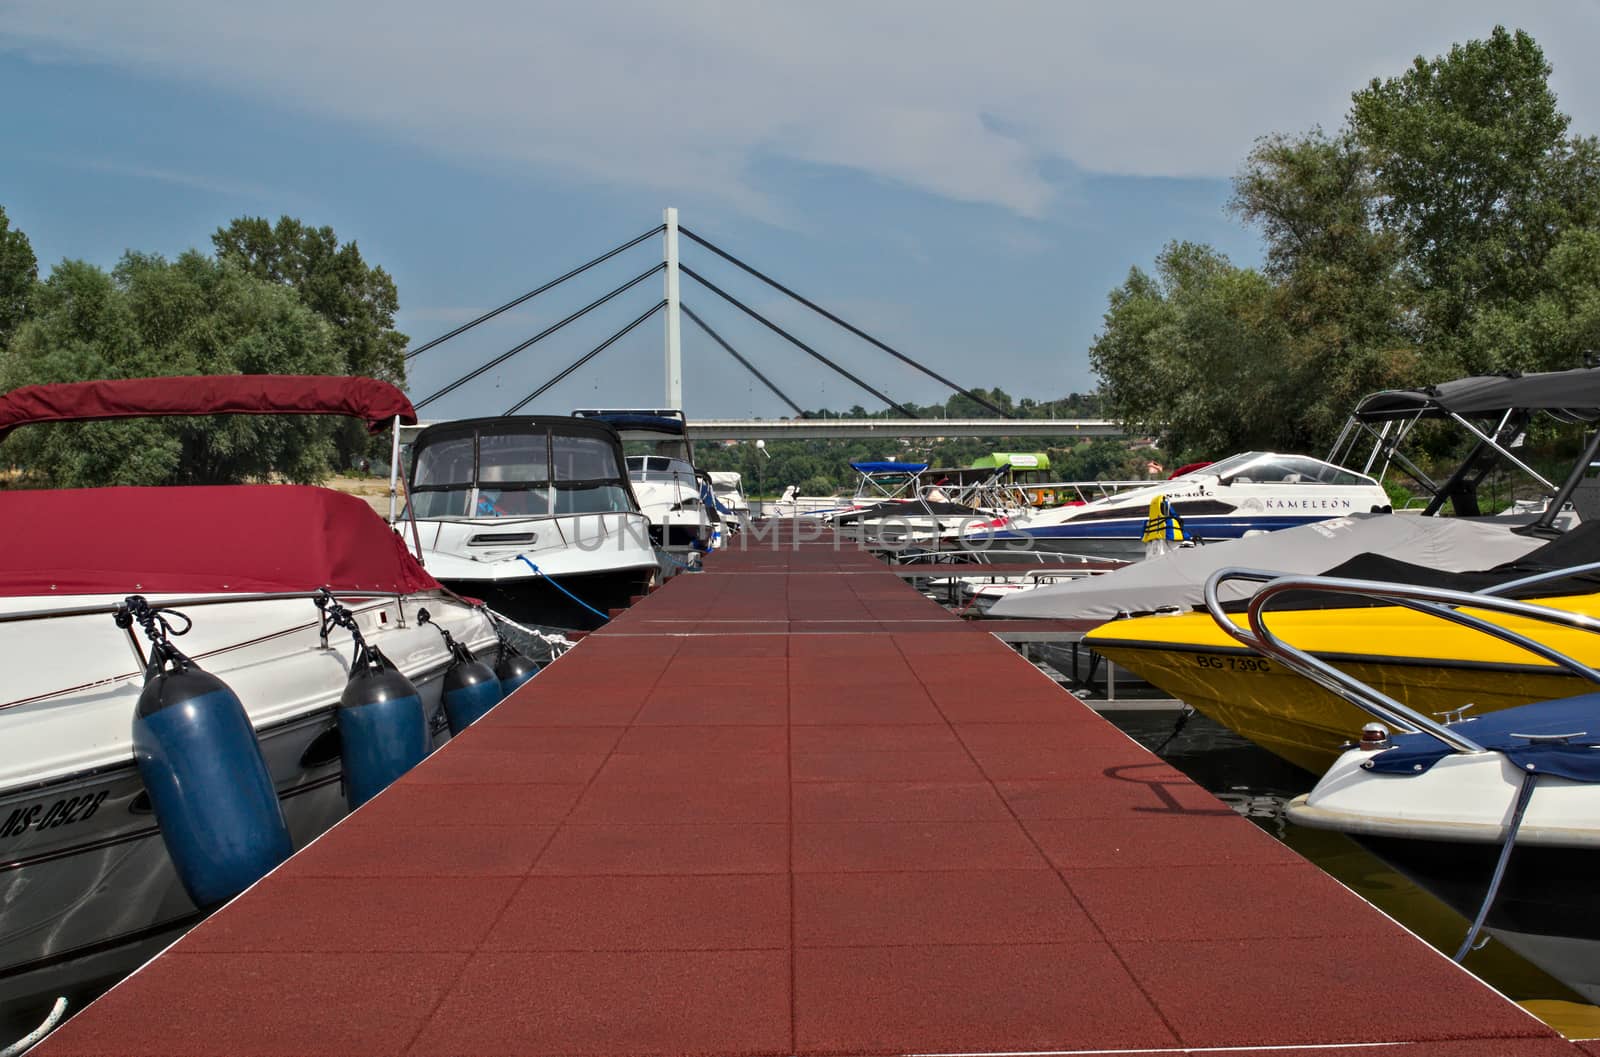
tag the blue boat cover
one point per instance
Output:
(630, 420)
(888, 467)
(1577, 758)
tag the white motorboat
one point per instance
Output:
(87, 884)
(661, 469)
(533, 514)
(727, 489)
(1244, 494)
(877, 483)
(1498, 814)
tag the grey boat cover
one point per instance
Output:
(1177, 579)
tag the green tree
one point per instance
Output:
(1195, 353)
(19, 274)
(1480, 181)
(357, 299)
(1338, 288)
(150, 317)
(959, 406)
(1451, 227)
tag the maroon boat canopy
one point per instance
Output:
(375, 402)
(199, 540)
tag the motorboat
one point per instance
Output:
(1498, 814)
(727, 490)
(661, 470)
(896, 506)
(534, 515)
(87, 883)
(1247, 493)
(1431, 667)
(1492, 412)
(878, 482)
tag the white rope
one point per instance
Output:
(556, 644)
(26, 1043)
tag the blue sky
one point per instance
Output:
(966, 187)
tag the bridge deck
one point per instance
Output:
(787, 806)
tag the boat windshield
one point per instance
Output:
(1261, 467)
(637, 444)
(659, 468)
(497, 471)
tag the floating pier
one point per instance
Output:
(789, 806)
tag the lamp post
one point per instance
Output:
(761, 476)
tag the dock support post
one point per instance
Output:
(670, 278)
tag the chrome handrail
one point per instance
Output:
(1438, 602)
(1441, 602)
(189, 602)
(1345, 687)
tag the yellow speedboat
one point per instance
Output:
(1433, 666)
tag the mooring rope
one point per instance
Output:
(27, 1042)
(1524, 794)
(523, 558)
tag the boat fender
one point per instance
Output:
(470, 687)
(383, 728)
(202, 766)
(511, 667)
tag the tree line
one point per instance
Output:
(1450, 226)
(282, 298)
(822, 467)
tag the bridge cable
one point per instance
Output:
(585, 358)
(591, 306)
(463, 328)
(764, 321)
(779, 393)
(857, 331)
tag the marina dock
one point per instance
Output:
(789, 806)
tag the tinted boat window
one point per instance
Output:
(591, 499)
(445, 463)
(584, 459)
(442, 502)
(512, 502)
(512, 458)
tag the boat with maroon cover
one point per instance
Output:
(87, 887)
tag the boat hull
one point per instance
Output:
(1443, 824)
(536, 600)
(84, 897)
(1131, 529)
(1443, 667)
(86, 884)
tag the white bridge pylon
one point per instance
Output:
(669, 278)
(673, 270)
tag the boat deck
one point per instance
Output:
(788, 806)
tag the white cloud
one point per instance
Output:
(972, 102)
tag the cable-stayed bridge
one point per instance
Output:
(803, 425)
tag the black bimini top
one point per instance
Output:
(1574, 394)
(561, 425)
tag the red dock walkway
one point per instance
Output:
(788, 806)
